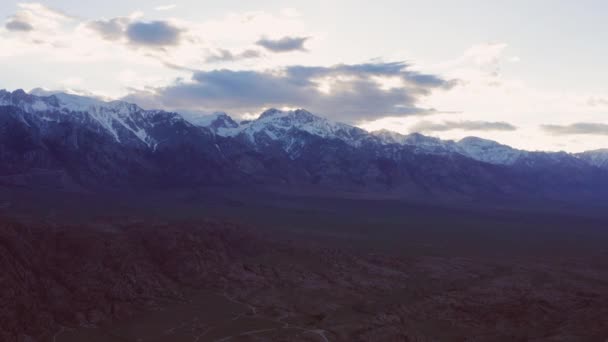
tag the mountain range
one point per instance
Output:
(80, 143)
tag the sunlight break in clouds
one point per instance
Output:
(350, 92)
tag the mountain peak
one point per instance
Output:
(20, 95)
(489, 151)
(269, 113)
(478, 141)
(297, 113)
(301, 111)
(389, 137)
(19, 92)
(125, 122)
(597, 158)
(216, 121)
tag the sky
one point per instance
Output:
(530, 74)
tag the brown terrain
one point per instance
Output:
(206, 279)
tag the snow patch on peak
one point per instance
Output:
(489, 151)
(271, 113)
(479, 142)
(76, 103)
(219, 122)
(209, 120)
(479, 149)
(281, 122)
(389, 137)
(598, 158)
(420, 142)
(122, 120)
(284, 127)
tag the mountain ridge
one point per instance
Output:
(62, 139)
(78, 103)
(480, 149)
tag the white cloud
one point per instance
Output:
(64, 39)
(290, 12)
(165, 7)
(489, 91)
(72, 81)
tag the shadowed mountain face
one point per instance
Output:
(70, 142)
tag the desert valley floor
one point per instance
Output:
(214, 266)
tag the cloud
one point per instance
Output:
(290, 12)
(486, 54)
(113, 29)
(223, 55)
(579, 128)
(165, 7)
(285, 44)
(138, 33)
(35, 15)
(155, 33)
(350, 93)
(18, 25)
(117, 41)
(427, 126)
(597, 102)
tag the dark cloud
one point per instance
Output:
(16, 24)
(113, 29)
(151, 34)
(223, 55)
(154, 33)
(347, 93)
(580, 128)
(285, 44)
(427, 126)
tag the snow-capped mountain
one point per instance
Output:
(597, 158)
(51, 139)
(290, 129)
(424, 143)
(125, 122)
(95, 143)
(276, 124)
(219, 122)
(419, 143)
(489, 151)
(285, 128)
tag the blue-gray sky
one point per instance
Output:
(526, 73)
